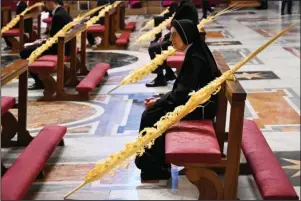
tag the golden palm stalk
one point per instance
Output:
(150, 134)
(152, 21)
(16, 19)
(51, 41)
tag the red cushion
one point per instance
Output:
(47, 20)
(7, 103)
(175, 61)
(93, 78)
(271, 180)
(47, 66)
(12, 32)
(192, 142)
(16, 182)
(52, 58)
(123, 39)
(96, 29)
(130, 26)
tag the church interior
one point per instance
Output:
(77, 79)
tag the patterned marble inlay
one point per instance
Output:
(114, 59)
(294, 50)
(275, 108)
(233, 56)
(255, 75)
(222, 43)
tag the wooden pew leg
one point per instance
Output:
(83, 70)
(9, 129)
(15, 44)
(209, 185)
(49, 86)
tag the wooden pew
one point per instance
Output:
(109, 40)
(6, 15)
(207, 144)
(205, 155)
(120, 20)
(54, 89)
(12, 34)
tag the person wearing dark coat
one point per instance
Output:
(101, 21)
(59, 20)
(289, 6)
(21, 6)
(198, 69)
(205, 7)
(185, 10)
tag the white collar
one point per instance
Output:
(53, 12)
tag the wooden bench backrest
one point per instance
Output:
(6, 15)
(233, 93)
(120, 19)
(62, 40)
(110, 28)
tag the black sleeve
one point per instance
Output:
(57, 25)
(21, 7)
(190, 80)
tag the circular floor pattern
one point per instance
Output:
(116, 60)
(45, 113)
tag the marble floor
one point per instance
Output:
(104, 124)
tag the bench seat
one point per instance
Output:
(51, 58)
(271, 180)
(93, 78)
(192, 142)
(96, 29)
(7, 103)
(17, 180)
(124, 38)
(45, 66)
(130, 26)
(175, 61)
(14, 32)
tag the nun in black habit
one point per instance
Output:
(199, 68)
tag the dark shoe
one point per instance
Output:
(36, 87)
(7, 48)
(170, 76)
(157, 82)
(155, 175)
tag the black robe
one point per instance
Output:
(185, 10)
(194, 75)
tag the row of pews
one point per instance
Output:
(114, 25)
(60, 75)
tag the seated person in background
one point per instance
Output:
(199, 68)
(21, 6)
(159, 19)
(101, 21)
(59, 20)
(50, 15)
(185, 10)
